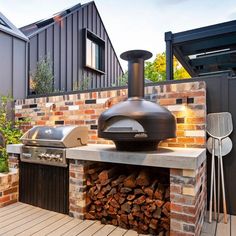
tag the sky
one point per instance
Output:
(132, 24)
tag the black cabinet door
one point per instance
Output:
(44, 186)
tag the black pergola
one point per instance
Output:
(203, 51)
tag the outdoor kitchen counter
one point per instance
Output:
(14, 148)
(180, 158)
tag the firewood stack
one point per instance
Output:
(131, 198)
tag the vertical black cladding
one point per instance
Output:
(64, 46)
(44, 186)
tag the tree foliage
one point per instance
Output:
(42, 79)
(156, 70)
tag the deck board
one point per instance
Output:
(233, 225)
(54, 226)
(92, 229)
(222, 228)
(6, 208)
(12, 219)
(11, 210)
(65, 228)
(118, 232)
(209, 228)
(131, 233)
(79, 228)
(25, 220)
(106, 230)
(41, 225)
(22, 225)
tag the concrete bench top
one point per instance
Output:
(180, 158)
(14, 148)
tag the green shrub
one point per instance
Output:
(42, 79)
(10, 132)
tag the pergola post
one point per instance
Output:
(169, 56)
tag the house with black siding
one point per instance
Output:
(77, 43)
(13, 52)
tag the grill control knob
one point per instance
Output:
(41, 156)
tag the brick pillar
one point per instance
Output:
(9, 187)
(77, 188)
(9, 182)
(188, 195)
(13, 160)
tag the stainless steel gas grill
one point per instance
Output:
(44, 171)
(47, 144)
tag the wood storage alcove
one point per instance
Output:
(129, 196)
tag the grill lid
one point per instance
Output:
(56, 136)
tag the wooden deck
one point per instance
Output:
(22, 219)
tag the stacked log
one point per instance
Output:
(134, 200)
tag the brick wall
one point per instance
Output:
(188, 196)
(9, 186)
(187, 101)
(77, 188)
(188, 193)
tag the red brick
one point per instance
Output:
(175, 225)
(58, 113)
(8, 203)
(72, 174)
(200, 140)
(180, 199)
(183, 217)
(190, 210)
(89, 111)
(80, 102)
(177, 233)
(15, 184)
(79, 122)
(179, 145)
(185, 127)
(180, 133)
(11, 190)
(196, 120)
(4, 199)
(40, 122)
(178, 172)
(176, 207)
(200, 100)
(186, 140)
(175, 188)
(64, 108)
(167, 101)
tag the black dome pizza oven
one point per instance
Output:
(136, 124)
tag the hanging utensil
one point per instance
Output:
(212, 183)
(213, 148)
(219, 126)
(227, 146)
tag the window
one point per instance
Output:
(2, 22)
(95, 52)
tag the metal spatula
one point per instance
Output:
(227, 146)
(219, 126)
(213, 148)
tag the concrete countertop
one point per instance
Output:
(14, 148)
(180, 158)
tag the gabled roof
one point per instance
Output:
(32, 29)
(7, 27)
(206, 50)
